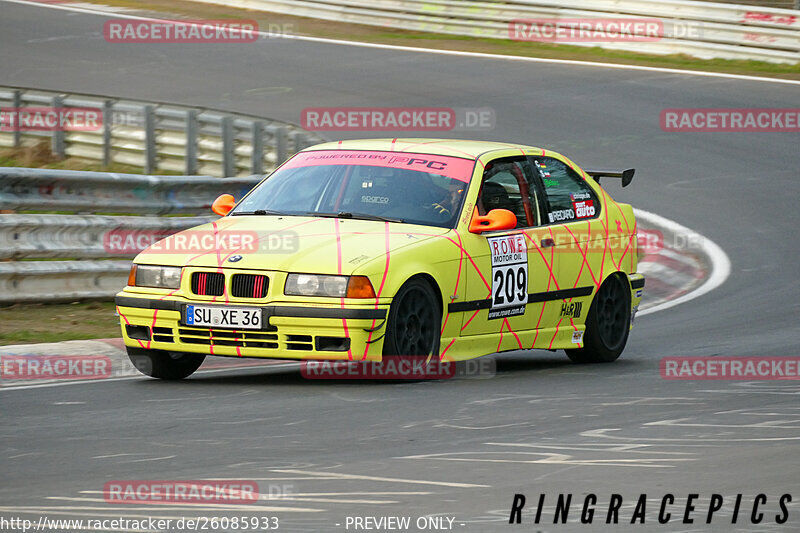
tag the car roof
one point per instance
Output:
(447, 147)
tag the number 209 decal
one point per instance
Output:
(509, 276)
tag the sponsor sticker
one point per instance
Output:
(509, 276)
(561, 214)
(580, 195)
(584, 208)
(572, 309)
(374, 200)
(577, 337)
(451, 167)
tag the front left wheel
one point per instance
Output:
(164, 365)
(415, 321)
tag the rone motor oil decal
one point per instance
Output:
(509, 276)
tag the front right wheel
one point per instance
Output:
(607, 324)
(414, 323)
(164, 365)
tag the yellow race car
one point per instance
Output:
(359, 250)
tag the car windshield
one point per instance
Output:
(398, 187)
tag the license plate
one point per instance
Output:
(223, 317)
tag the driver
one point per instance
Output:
(445, 206)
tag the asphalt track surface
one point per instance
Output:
(460, 448)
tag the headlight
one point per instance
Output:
(332, 286)
(316, 285)
(163, 277)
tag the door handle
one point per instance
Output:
(548, 243)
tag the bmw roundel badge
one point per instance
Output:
(235, 258)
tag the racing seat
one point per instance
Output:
(494, 196)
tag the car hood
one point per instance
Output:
(285, 243)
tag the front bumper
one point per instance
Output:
(289, 331)
(637, 289)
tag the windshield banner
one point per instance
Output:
(451, 167)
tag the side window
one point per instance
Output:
(508, 184)
(567, 195)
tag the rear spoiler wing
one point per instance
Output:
(625, 175)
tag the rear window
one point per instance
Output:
(567, 196)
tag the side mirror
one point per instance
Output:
(223, 204)
(496, 219)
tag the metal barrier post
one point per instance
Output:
(108, 118)
(16, 103)
(149, 140)
(191, 142)
(281, 150)
(228, 153)
(257, 157)
(300, 141)
(58, 146)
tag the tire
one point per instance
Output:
(607, 324)
(165, 365)
(415, 321)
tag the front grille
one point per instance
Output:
(266, 339)
(162, 334)
(249, 285)
(216, 337)
(208, 283)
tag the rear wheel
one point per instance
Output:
(414, 322)
(607, 324)
(165, 365)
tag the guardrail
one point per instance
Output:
(28, 189)
(726, 31)
(157, 137)
(94, 244)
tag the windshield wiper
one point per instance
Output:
(358, 216)
(258, 212)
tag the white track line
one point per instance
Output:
(458, 53)
(720, 263)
